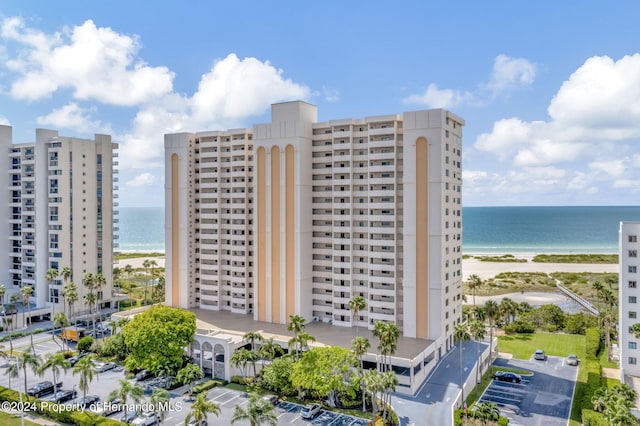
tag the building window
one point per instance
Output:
(633, 238)
(633, 284)
(632, 314)
(633, 269)
(632, 299)
(633, 253)
(633, 360)
(633, 345)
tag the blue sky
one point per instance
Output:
(550, 91)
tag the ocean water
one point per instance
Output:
(141, 229)
(485, 229)
(576, 229)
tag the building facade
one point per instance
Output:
(60, 213)
(629, 307)
(298, 216)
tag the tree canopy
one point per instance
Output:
(325, 370)
(157, 337)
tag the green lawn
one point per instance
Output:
(10, 420)
(522, 346)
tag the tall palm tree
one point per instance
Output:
(388, 383)
(300, 342)
(373, 385)
(253, 337)
(609, 299)
(492, 310)
(296, 324)
(57, 363)
(159, 401)
(60, 321)
(99, 281)
(477, 330)
(257, 412)
(149, 265)
(357, 304)
(3, 291)
(508, 308)
(70, 294)
(127, 391)
(24, 360)
(201, 408)
(26, 292)
(89, 299)
(240, 359)
(461, 334)
(85, 368)
(474, 283)
(359, 347)
(388, 334)
(51, 276)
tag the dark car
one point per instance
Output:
(143, 375)
(107, 408)
(507, 376)
(63, 396)
(272, 399)
(87, 401)
(76, 358)
(42, 389)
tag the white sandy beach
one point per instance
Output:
(137, 262)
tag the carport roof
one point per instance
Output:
(408, 348)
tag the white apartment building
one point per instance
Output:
(60, 213)
(629, 307)
(298, 216)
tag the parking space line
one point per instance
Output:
(219, 396)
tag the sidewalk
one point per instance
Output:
(35, 419)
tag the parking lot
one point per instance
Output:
(543, 398)
(104, 383)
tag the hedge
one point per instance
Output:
(74, 417)
(209, 384)
(592, 343)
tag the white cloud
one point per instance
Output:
(507, 136)
(509, 73)
(141, 180)
(95, 63)
(73, 117)
(330, 95)
(4, 121)
(434, 97)
(612, 168)
(547, 152)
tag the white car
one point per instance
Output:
(145, 419)
(310, 411)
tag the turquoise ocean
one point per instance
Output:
(485, 229)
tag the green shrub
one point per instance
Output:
(520, 326)
(238, 379)
(85, 343)
(592, 418)
(209, 384)
(592, 343)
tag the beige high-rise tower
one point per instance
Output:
(299, 216)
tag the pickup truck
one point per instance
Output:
(42, 389)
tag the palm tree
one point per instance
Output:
(59, 321)
(70, 294)
(26, 292)
(388, 334)
(460, 335)
(508, 308)
(357, 304)
(189, 374)
(373, 385)
(84, 367)
(269, 349)
(201, 408)
(23, 360)
(478, 332)
(610, 300)
(99, 280)
(492, 310)
(51, 276)
(253, 337)
(388, 383)
(56, 363)
(474, 283)
(240, 359)
(359, 347)
(257, 412)
(300, 342)
(90, 300)
(126, 391)
(159, 401)
(3, 291)
(149, 264)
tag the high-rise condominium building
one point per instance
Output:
(629, 303)
(59, 214)
(298, 216)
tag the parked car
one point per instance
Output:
(145, 419)
(310, 411)
(143, 375)
(507, 376)
(76, 358)
(272, 399)
(63, 396)
(130, 416)
(42, 389)
(540, 355)
(107, 408)
(87, 401)
(101, 367)
(572, 360)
